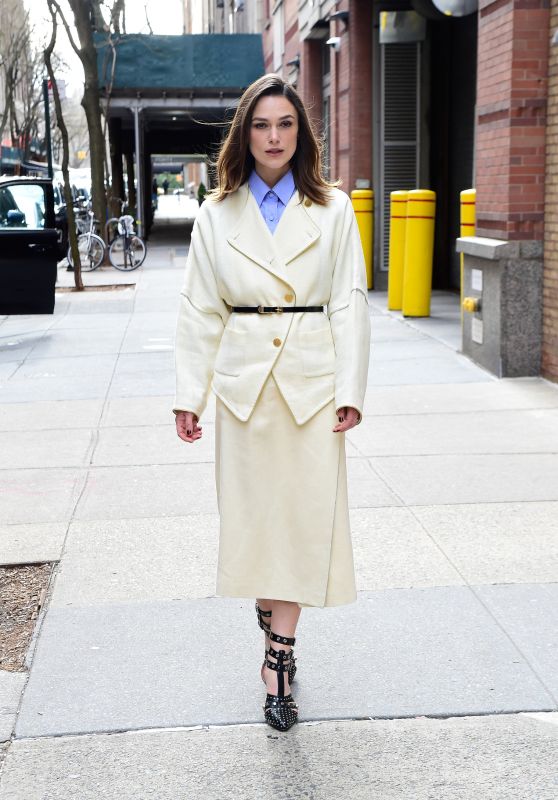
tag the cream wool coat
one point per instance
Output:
(313, 258)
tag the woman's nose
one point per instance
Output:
(273, 134)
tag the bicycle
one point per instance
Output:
(91, 247)
(127, 251)
(111, 225)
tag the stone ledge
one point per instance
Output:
(490, 249)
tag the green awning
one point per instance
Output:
(215, 62)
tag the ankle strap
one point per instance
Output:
(277, 654)
(282, 639)
(283, 663)
(265, 626)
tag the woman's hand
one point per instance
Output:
(348, 418)
(187, 426)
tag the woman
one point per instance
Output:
(271, 247)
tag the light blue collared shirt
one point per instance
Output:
(272, 202)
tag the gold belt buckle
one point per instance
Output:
(276, 310)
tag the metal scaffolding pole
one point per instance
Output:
(139, 169)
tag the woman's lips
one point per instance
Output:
(273, 152)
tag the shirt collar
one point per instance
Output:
(284, 188)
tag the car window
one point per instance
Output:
(22, 206)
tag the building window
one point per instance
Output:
(326, 59)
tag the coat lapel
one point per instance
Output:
(295, 232)
(252, 237)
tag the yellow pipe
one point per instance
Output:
(363, 205)
(419, 253)
(397, 226)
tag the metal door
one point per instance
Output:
(400, 128)
(28, 247)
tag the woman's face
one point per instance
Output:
(273, 136)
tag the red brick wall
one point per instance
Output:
(340, 101)
(351, 89)
(292, 45)
(511, 118)
(360, 77)
(550, 275)
(267, 41)
(351, 95)
(310, 80)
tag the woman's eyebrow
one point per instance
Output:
(265, 119)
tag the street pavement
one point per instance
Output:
(439, 683)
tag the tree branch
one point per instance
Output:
(53, 4)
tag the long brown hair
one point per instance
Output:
(235, 161)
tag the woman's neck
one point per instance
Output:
(271, 176)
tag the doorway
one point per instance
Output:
(424, 88)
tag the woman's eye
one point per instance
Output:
(259, 125)
(287, 123)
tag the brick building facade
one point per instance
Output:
(468, 103)
(511, 118)
(550, 278)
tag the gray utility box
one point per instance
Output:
(502, 304)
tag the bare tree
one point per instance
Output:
(88, 20)
(10, 41)
(65, 149)
(118, 17)
(19, 75)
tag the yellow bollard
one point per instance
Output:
(363, 205)
(468, 198)
(397, 226)
(419, 252)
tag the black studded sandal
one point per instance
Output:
(280, 710)
(266, 628)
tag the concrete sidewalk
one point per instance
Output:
(441, 682)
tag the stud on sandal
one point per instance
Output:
(266, 628)
(280, 710)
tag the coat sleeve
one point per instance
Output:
(349, 317)
(202, 317)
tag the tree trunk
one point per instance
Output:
(92, 106)
(65, 155)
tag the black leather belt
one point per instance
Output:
(274, 309)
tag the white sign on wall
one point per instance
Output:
(476, 330)
(476, 280)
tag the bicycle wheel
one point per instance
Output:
(91, 251)
(127, 253)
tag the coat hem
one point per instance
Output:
(305, 602)
(245, 417)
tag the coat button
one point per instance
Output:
(307, 202)
(289, 297)
(277, 342)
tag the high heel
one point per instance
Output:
(280, 710)
(266, 628)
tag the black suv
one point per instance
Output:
(28, 246)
